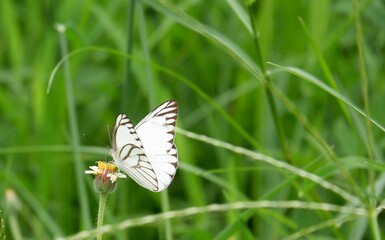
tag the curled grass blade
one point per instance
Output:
(315, 81)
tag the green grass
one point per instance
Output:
(280, 129)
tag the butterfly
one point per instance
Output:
(147, 152)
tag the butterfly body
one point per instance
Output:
(147, 152)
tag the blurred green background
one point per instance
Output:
(130, 56)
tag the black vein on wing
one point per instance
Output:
(142, 177)
(138, 170)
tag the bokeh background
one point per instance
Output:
(323, 116)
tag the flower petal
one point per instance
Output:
(95, 168)
(121, 175)
(90, 172)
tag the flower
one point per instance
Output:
(106, 176)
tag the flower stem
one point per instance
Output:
(102, 205)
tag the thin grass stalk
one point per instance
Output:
(270, 99)
(128, 73)
(317, 227)
(74, 132)
(230, 229)
(273, 108)
(365, 95)
(373, 221)
(164, 198)
(146, 54)
(126, 90)
(50, 148)
(13, 206)
(14, 226)
(326, 70)
(2, 228)
(231, 178)
(13, 37)
(237, 8)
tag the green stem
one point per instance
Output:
(374, 224)
(146, 53)
(15, 227)
(126, 90)
(74, 129)
(102, 205)
(2, 230)
(266, 78)
(165, 202)
(165, 208)
(365, 96)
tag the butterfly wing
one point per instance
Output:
(128, 154)
(156, 132)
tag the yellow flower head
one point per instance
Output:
(106, 176)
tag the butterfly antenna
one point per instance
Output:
(97, 141)
(108, 160)
(109, 134)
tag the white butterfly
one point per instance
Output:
(147, 152)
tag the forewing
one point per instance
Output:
(156, 132)
(129, 156)
(124, 133)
